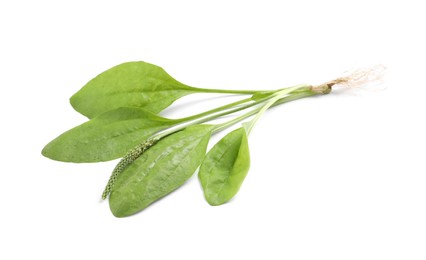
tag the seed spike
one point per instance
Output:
(128, 159)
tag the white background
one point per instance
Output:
(335, 177)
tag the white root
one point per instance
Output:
(360, 77)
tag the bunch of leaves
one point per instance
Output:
(160, 154)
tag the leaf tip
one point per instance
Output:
(55, 151)
(77, 105)
(215, 202)
(44, 152)
(73, 101)
(118, 208)
(115, 209)
(47, 151)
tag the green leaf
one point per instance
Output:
(160, 170)
(225, 167)
(131, 84)
(106, 137)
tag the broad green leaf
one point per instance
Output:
(161, 169)
(106, 137)
(225, 167)
(131, 84)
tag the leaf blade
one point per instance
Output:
(106, 137)
(130, 84)
(225, 167)
(160, 170)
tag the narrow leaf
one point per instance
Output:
(106, 137)
(131, 84)
(225, 167)
(160, 170)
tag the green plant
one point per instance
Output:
(160, 154)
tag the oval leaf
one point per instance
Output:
(225, 167)
(131, 84)
(106, 137)
(160, 170)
